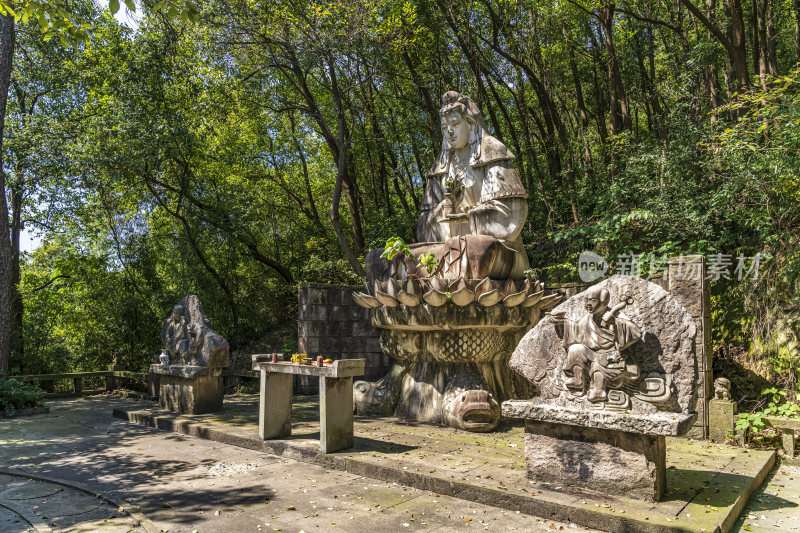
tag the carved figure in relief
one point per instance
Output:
(596, 347)
(180, 339)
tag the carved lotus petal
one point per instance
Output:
(435, 298)
(510, 287)
(513, 300)
(386, 299)
(392, 287)
(438, 284)
(365, 300)
(409, 299)
(485, 285)
(413, 286)
(462, 296)
(548, 302)
(457, 284)
(533, 299)
(488, 299)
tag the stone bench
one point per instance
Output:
(787, 426)
(613, 452)
(335, 399)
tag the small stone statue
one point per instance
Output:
(722, 389)
(192, 359)
(188, 338)
(596, 346)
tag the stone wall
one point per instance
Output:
(332, 325)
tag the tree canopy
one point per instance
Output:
(239, 150)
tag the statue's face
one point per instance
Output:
(595, 306)
(455, 129)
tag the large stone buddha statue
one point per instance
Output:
(474, 205)
(451, 332)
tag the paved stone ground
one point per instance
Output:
(768, 510)
(32, 505)
(707, 483)
(178, 483)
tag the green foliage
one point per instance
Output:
(776, 406)
(428, 261)
(203, 157)
(16, 395)
(396, 246)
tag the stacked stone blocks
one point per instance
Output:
(331, 324)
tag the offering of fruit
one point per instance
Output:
(328, 361)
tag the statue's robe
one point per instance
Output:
(597, 348)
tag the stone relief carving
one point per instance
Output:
(637, 355)
(596, 347)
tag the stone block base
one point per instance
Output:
(197, 395)
(721, 419)
(603, 460)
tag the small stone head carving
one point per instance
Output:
(597, 301)
(722, 389)
(177, 312)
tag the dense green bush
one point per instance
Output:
(17, 395)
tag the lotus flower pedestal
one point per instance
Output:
(451, 341)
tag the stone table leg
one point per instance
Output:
(335, 414)
(788, 442)
(275, 405)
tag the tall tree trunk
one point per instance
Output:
(17, 338)
(739, 41)
(772, 58)
(796, 5)
(761, 8)
(620, 118)
(754, 38)
(735, 45)
(7, 41)
(431, 110)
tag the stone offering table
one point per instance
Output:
(335, 399)
(189, 389)
(787, 426)
(611, 452)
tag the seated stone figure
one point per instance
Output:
(189, 339)
(596, 347)
(474, 206)
(180, 340)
